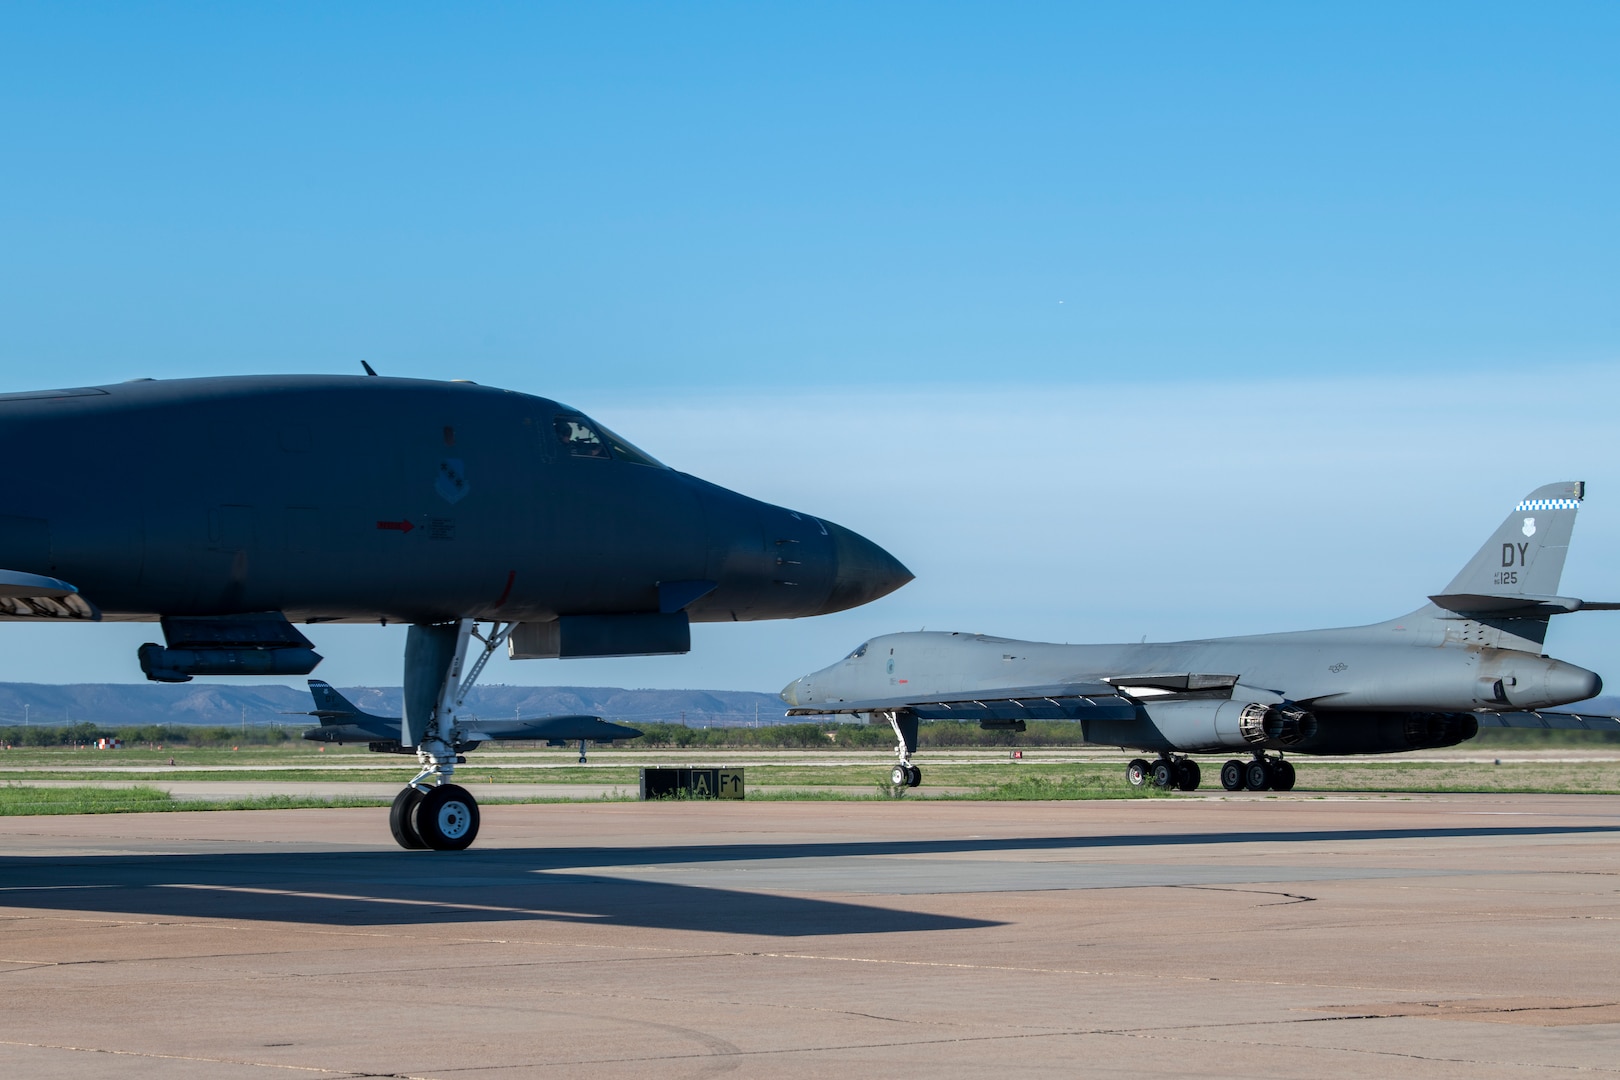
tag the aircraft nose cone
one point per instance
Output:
(863, 571)
(790, 692)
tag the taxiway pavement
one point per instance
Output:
(1421, 935)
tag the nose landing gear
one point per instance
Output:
(431, 812)
(446, 818)
(904, 773)
(402, 820)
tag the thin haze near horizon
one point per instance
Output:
(1173, 321)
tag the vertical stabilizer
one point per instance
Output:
(1525, 556)
(1504, 596)
(331, 706)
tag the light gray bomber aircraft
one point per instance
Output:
(1469, 658)
(229, 509)
(342, 721)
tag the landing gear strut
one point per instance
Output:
(1170, 773)
(1262, 774)
(904, 773)
(432, 812)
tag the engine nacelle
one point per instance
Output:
(1389, 732)
(1203, 725)
(179, 665)
(1287, 725)
(1194, 724)
(255, 643)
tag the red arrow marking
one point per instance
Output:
(397, 526)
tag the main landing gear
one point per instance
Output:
(432, 812)
(1169, 772)
(904, 774)
(1262, 774)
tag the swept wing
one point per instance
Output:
(1561, 721)
(1067, 701)
(35, 596)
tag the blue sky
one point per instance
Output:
(1181, 250)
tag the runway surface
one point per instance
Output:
(1212, 936)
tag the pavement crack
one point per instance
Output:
(1290, 898)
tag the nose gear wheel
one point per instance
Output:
(446, 818)
(432, 812)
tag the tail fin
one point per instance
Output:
(331, 706)
(1519, 567)
(1504, 596)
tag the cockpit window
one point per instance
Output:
(625, 452)
(586, 439)
(858, 653)
(580, 437)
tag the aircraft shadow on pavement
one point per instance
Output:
(403, 888)
(372, 888)
(728, 852)
(580, 858)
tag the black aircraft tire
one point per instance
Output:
(401, 820)
(1165, 775)
(447, 818)
(1282, 776)
(900, 776)
(1257, 775)
(1188, 775)
(1232, 775)
(915, 779)
(1136, 772)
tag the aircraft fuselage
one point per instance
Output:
(1384, 666)
(333, 498)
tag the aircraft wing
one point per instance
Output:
(35, 596)
(1069, 701)
(1562, 721)
(1183, 684)
(569, 728)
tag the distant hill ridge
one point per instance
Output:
(212, 704)
(117, 704)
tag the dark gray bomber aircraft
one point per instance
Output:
(1471, 657)
(229, 509)
(342, 721)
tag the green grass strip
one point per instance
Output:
(19, 800)
(1066, 788)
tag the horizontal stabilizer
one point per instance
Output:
(1558, 721)
(35, 596)
(1513, 605)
